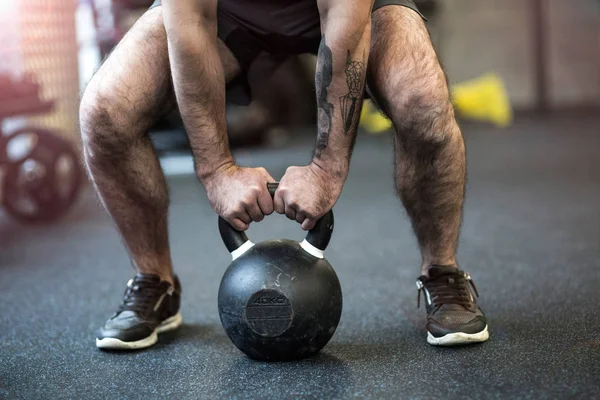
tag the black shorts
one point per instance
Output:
(262, 34)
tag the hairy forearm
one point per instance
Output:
(340, 81)
(199, 84)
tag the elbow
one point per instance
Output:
(186, 36)
(339, 16)
(188, 23)
(349, 29)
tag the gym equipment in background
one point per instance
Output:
(372, 120)
(40, 171)
(482, 99)
(279, 299)
(42, 182)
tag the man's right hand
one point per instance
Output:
(240, 195)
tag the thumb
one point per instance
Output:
(267, 176)
(278, 202)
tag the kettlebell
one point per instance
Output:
(279, 299)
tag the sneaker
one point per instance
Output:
(150, 306)
(453, 316)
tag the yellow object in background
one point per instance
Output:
(482, 99)
(372, 120)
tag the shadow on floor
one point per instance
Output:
(194, 333)
(323, 373)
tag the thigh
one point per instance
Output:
(135, 80)
(404, 73)
(133, 84)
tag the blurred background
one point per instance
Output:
(525, 82)
(502, 57)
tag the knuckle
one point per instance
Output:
(315, 213)
(237, 211)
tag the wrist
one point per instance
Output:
(207, 172)
(335, 169)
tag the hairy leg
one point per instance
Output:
(407, 81)
(128, 94)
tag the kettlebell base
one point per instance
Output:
(279, 358)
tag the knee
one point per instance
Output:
(105, 126)
(424, 113)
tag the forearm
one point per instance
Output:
(340, 80)
(199, 84)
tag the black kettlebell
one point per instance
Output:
(279, 299)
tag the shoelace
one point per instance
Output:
(140, 295)
(450, 288)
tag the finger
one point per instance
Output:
(265, 201)
(308, 224)
(278, 203)
(243, 216)
(300, 217)
(238, 224)
(267, 176)
(254, 211)
(290, 212)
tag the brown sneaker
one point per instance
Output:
(453, 316)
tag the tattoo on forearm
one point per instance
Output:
(323, 79)
(349, 104)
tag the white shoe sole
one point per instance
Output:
(458, 338)
(168, 324)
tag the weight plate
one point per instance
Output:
(43, 180)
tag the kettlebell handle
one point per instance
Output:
(315, 243)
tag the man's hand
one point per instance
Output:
(305, 194)
(240, 195)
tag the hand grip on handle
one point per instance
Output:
(318, 237)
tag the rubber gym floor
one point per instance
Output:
(530, 239)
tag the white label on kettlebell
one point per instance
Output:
(312, 250)
(242, 249)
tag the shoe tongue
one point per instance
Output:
(437, 270)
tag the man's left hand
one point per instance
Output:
(307, 193)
